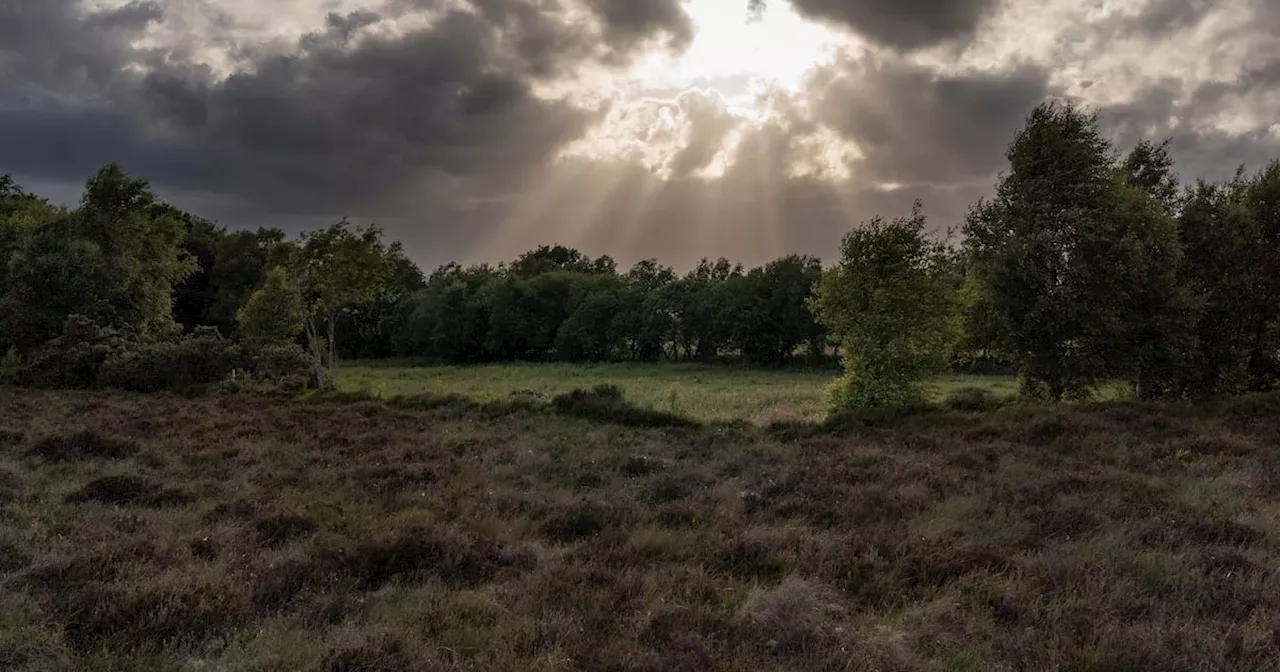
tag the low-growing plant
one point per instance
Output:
(605, 403)
(973, 400)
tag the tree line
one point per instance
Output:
(1085, 266)
(124, 265)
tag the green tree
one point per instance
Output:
(114, 260)
(528, 312)
(648, 315)
(449, 320)
(230, 266)
(1041, 249)
(1149, 167)
(274, 312)
(772, 318)
(593, 330)
(22, 215)
(369, 330)
(890, 304)
(705, 306)
(1231, 236)
(1262, 198)
(337, 268)
(1150, 339)
(549, 258)
(140, 242)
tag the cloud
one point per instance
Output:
(709, 124)
(51, 44)
(352, 110)
(474, 129)
(902, 24)
(629, 22)
(915, 125)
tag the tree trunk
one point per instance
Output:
(317, 350)
(333, 350)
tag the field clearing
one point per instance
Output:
(702, 392)
(238, 532)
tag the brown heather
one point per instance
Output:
(249, 533)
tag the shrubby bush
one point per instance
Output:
(281, 363)
(182, 364)
(89, 356)
(71, 360)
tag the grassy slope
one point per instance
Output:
(705, 392)
(242, 533)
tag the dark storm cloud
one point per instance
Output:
(1180, 109)
(327, 126)
(49, 43)
(902, 24)
(629, 22)
(1170, 109)
(915, 125)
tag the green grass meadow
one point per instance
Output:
(707, 393)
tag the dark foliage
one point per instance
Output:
(89, 356)
(605, 403)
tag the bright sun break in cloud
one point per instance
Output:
(725, 85)
(772, 46)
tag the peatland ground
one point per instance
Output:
(342, 533)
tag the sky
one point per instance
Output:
(473, 130)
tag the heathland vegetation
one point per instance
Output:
(190, 480)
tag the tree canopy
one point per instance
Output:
(891, 305)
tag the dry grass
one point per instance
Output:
(241, 533)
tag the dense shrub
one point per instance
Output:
(278, 363)
(89, 356)
(72, 360)
(170, 365)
